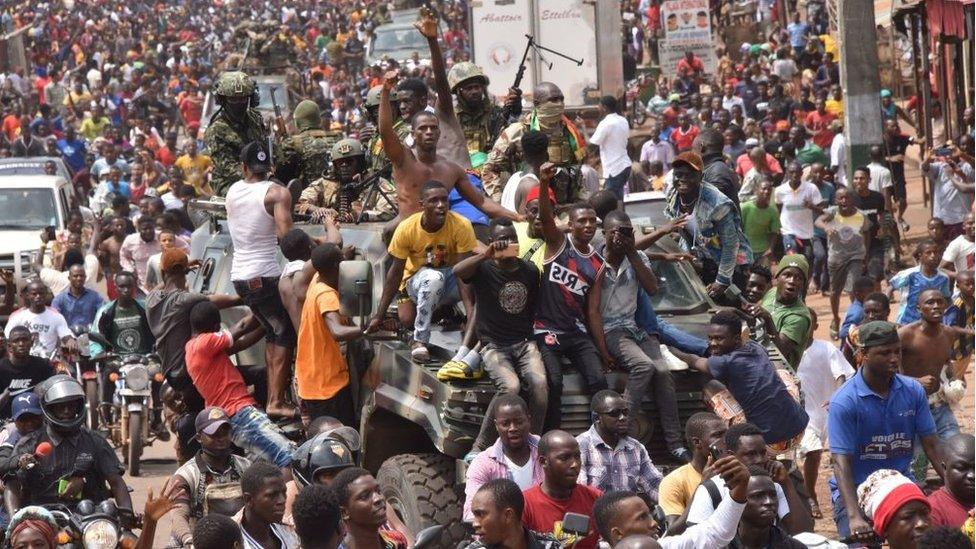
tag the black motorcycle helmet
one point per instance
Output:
(56, 393)
(319, 454)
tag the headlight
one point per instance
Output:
(137, 377)
(101, 534)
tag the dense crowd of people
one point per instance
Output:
(503, 206)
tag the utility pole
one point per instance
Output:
(859, 79)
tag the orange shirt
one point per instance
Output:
(320, 368)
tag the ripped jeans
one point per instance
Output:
(428, 288)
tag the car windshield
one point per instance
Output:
(27, 209)
(679, 288)
(264, 96)
(406, 38)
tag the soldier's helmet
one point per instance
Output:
(234, 84)
(307, 115)
(373, 96)
(347, 148)
(464, 71)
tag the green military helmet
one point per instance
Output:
(373, 96)
(464, 71)
(234, 84)
(347, 148)
(307, 116)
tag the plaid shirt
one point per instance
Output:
(626, 467)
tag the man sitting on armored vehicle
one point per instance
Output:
(342, 194)
(424, 248)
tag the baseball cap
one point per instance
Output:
(885, 92)
(255, 157)
(173, 258)
(26, 403)
(782, 126)
(794, 260)
(690, 159)
(877, 332)
(210, 419)
(752, 142)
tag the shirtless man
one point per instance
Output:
(413, 168)
(926, 347)
(297, 274)
(110, 247)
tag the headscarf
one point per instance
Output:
(34, 518)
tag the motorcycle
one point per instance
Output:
(128, 415)
(90, 526)
(86, 371)
(636, 112)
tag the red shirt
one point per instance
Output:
(683, 139)
(213, 374)
(820, 124)
(696, 65)
(544, 514)
(946, 510)
(166, 157)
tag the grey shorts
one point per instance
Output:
(842, 274)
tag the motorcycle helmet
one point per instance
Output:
(58, 390)
(319, 454)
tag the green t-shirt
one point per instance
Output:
(758, 224)
(793, 321)
(128, 332)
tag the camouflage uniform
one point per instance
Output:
(481, 126)
(324, 192)
(505, 157)
(305, 155)
(376, 156)
(225, 137)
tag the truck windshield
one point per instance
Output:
(406, 38)
(679, 288)
(27, 209)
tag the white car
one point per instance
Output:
(28, 205)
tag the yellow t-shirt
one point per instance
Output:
(527, 243)
(835, 107)
(195, 172)
(320, 369)
(830, 45)
(677, 489)
(423, 249)
(91, 128)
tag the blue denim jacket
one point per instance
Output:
(719, 230)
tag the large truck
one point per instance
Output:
(574, 28)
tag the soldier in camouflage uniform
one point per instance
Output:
(480, 119)
(340, 194)
(305, 155)
(235, 124)
(567, 146)
(374, 147)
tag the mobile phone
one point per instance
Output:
(509, 251)
(942, 151)
(575, 523)
(715, 453)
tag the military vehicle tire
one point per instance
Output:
(421, 489)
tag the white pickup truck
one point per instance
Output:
(29, 204)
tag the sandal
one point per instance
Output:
(458, 370)
(419, 352)
(815, 510)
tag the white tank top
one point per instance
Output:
(252, 229)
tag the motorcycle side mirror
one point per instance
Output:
(100, 339)
(428, 537)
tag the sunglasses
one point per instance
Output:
(618, 413)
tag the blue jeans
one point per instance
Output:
(946, 427)
(802, 246)
(261, 438)
(615, 183)
(666, 333)
(428, 288)
(840, 511)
